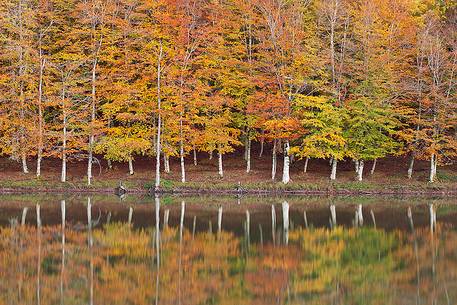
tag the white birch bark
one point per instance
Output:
(411, 167)
(333, 172)
(262, 144)
(248, 157)
(166, 163)
(40, 112)
(181, 161)
(433, 164)
(131, 172)
(91, 135)
(274, 161)
(360, 171)
(305, 168)
(63, 174)
(221, 170)
(25, 169)
(195, 156)
(373, 167)
(286, 167)
(159, 119)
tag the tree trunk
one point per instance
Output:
(63, 176)
(131, 172)
(360, 171)
(110, 164)
(159, 123)
(273, 168)
(183, 167)
(411, 167)
(433, 163)
(25, 169)
(40, 114)
(262, 142)
(333, 172)
(374, 166)
(246, 146)
(305, 168)
(285, 171)
(91, 136)
(166, 162)
(195, 156)
(89, 162)
(279, 147)
(248, 157)
(356, 163)
(211, 155)
(221, 170)
(22, 68)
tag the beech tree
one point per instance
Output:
(18, 58)
(288, 44)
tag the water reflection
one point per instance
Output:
(117, 263)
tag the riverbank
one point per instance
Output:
(192, 188)
(388, 179)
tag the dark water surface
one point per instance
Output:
(228, 250)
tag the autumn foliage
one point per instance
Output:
(336, 79)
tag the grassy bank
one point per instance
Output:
(221, 187)
(389, 178)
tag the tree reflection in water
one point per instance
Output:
(117, 264)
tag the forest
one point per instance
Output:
(338, 80)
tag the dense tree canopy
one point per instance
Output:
(333, 79)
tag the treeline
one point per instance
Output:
(332, 79)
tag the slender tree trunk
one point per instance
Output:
(195, 156)
(63, 176)
(91, 136)
(435, 165)
(248, 157)
(411, 167)
(166, 162)
(131, 172)
(333, 172)
(221, 170)
(285, 171)
(374, 166)
(21, 72)
(159, 123)
(305, 168)
(262, 143)
(356, 166)
(360, 171)
(246, 146)
(40, 113)
(274, 161)
(279, 147)
(109, 162)
(432, 168)
(25, 169)
(23, 143)
(181, 147)
(211, 155)
(181, 156)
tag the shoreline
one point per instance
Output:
(272, 191)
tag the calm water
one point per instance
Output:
(227, 250)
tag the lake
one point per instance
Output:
(101, 249)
